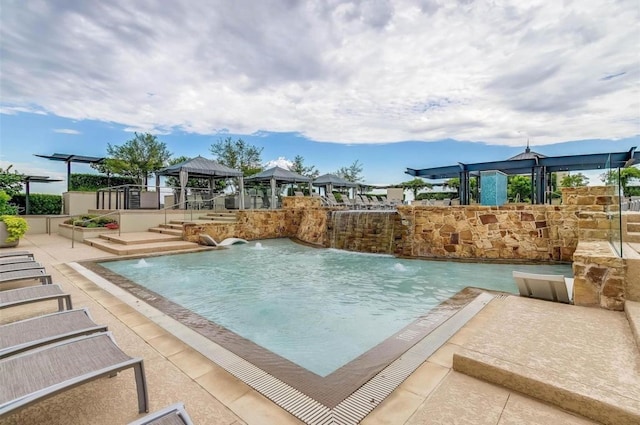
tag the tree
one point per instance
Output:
(239, 155)
(519, 188)
(351, 173)
(574, 180)
(299, 167)
(415, 185)
(10, 181)
(138, 157)
(626, 174)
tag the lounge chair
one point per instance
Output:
(14, 260)
(42, 330)
(20, 266)
(16, 254)
(171, 415)
(32, 294)
(37, 274)
(548, 287)
(40, 373)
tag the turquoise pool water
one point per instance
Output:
(319, 308)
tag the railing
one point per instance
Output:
(73, 224)
(190, 210)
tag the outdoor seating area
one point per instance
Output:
(47, 354)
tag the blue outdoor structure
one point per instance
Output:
(493, 188)
(538, 166)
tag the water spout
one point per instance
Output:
(142, 264)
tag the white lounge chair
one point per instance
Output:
(171, 415)
(550, 287)
(42, 330)
(43, 372)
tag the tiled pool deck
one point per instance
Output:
(433, 394)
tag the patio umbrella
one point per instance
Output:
(184, 176)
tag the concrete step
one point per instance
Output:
(218, 219)
(632, 310)
(633, 227)
(633, 217)
(167, 231)
(135, 238)
(576, 358)
(140, 248)
(175, 226)
(633, 237)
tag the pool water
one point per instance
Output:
(319, 308)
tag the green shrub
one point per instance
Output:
(93, 182)
(91, 221)
(16, 226)
(39, 204)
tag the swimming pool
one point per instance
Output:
(319, 309)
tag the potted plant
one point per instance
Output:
(12, 227)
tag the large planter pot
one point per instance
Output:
(3, 237)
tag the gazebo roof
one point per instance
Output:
(333, 180)
(200, 167)
(279, 174)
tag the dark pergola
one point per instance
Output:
(69, 158)
(538, 166)
(27, 180)
(277, 174)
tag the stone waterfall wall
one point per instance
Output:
(378, 232)
(512, 232)
(519, 232)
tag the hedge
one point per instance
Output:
(39, 204)
(93, 182)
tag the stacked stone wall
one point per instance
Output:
(599, 276)
(523, 232)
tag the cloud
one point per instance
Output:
(281, 162)
(347, 71)
(66, 131)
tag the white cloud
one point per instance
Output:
(281, 162)
(343, 70)
(66, 131)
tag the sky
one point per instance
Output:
(391, 84)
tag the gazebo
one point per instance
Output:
(329, 181)
(202, 168)
(278, 174)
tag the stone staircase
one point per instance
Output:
(579, 359)
(633, 228)
(162, 238)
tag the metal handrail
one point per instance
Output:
(73, 224)
(170, 207)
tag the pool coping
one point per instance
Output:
(355, 402)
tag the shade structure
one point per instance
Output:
(27, 180)
(329, 181)
(278, 174)
(69, 158)
(199, 167)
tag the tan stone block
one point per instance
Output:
(585, 294)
